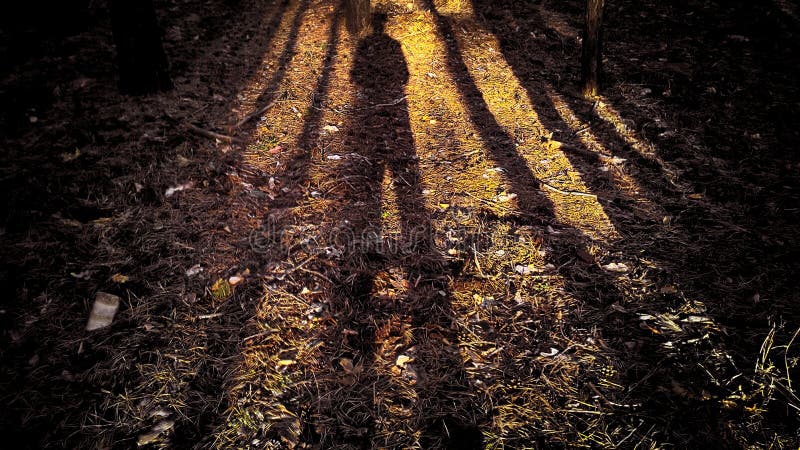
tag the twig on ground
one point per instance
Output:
(558, 145)
(314, 272)
(209, 316)
(258, 335)
(395, 102)
(578, 193)
(214, 135)
(477, 264)
(255, 114)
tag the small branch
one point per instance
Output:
(478, 264)
(395, 102)
(786, 359)
(213, 135)
(599, 395)
(209, 316)
(557, 145)
(255, 114)
(579, 194)
(314, 272)
(258, 335)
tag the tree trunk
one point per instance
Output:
(357, 16)
(143, 67)
(592, 51)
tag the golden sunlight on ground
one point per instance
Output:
(445, 138)
(624, 185)
(480, 150)
(608, 113)
(509, 104)
(418, 235)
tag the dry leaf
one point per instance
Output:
(147, 439)
(221, 289)
(183, 161)
(402, 360)
(103, 311)
(553, 352)
(506, 197)
(616, 267)
(669, 289)
(181, 187)
(164, 425)
(67, 157)
(346, 364)
(119, 278)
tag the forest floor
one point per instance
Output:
(423, 237)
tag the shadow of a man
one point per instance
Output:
(412, 389)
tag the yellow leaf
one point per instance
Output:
(67, 157)
(119, 278)
(221, 289)
(402, 360)
(753, 409)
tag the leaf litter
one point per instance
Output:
(534, 340)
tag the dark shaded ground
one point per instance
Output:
(84, 171)
(88, 155)
(728, 84)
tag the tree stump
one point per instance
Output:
(592, 49)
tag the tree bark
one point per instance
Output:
(142, 63)
(357, 16)
(592, 49)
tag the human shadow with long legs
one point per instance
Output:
(398, 353)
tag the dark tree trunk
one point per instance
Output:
(357, 16)
(143, 67)
(592, 51)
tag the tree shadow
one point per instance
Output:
(595, 289)
(673, 261)
(270, 92)
(653, 185)
(395, 352)
(37, 400)
(308, 143)
(723, 119)
(687, 217)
